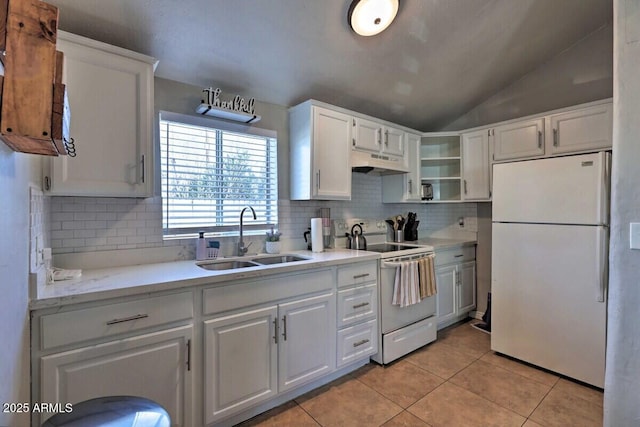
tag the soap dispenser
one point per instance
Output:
(201, 247)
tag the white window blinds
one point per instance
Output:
(211, 170)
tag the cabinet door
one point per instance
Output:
(393, 141)
(412, 184)
(475, 166)
(111, 102)
(154, 366)
(367, 135)
(446, 297)
(518, 140)
(331, 155)
(307, 348)
(240, 367)
(466, 287)
(585, 129)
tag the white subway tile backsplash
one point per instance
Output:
(89, 224)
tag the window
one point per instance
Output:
(211, 170)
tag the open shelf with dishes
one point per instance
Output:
(440, 166)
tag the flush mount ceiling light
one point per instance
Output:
(370, 17)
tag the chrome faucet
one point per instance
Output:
(242, 249)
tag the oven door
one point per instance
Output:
(393, 316)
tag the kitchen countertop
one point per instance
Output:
(441, 243)
(100, 284)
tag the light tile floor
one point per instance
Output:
(455, 381)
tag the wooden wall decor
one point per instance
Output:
(31, 115)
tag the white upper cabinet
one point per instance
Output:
(584, 129)
(518, 140)
(405, 187)
(376, 137)
(320, 147)
(110, 93)
(367, 135)
(393, 141)
(475, 166)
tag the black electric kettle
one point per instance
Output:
(356, 240)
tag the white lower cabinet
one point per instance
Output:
(357, 312)
(306, 347)
(240, 361)
(253, 355)
(456, 281)
(156, 366)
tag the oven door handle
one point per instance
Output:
(398, 262)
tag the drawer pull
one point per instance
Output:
(360, 276)
(127, 319)
(362, 304)
(458, 256)
(359, 343)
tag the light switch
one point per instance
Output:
(634, 235)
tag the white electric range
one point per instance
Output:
(402, 329)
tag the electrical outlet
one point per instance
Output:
(39, 259)
(461, 222)
(634, 235)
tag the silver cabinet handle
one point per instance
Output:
(360, 276)
(359, 343)
(284, 328)
(362, 304)
(386, 138)
(458, 256)
(318, 179)
(539, 139)
(127, 319)
(555, 137)
(465, 186)
(188, 355)
(142, 162)
(410, 186)
(275, 330)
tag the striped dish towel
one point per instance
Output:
(427, 276)
(406, 287)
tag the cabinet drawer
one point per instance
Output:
(359, 273)
(357, 304)
(107, 320)
(357, 342)
(244, 294)
(461, 254)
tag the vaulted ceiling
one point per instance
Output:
(438, 60)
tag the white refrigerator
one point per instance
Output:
(549, 263)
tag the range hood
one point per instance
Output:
(375, 163)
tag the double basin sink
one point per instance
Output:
(253, 262)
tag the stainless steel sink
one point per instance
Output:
(226, 265)
(278, 259)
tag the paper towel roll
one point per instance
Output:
(317, 242)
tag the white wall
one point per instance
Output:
(580, 74)
(622, 378)
(16, 172)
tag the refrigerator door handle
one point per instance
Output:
(602, 248)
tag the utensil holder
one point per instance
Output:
(398, 236)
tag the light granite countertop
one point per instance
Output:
(114, 282)
(442, 243)
(105, 283)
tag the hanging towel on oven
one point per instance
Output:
(427, 274)
(406, 288)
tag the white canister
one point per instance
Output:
(317, 241)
